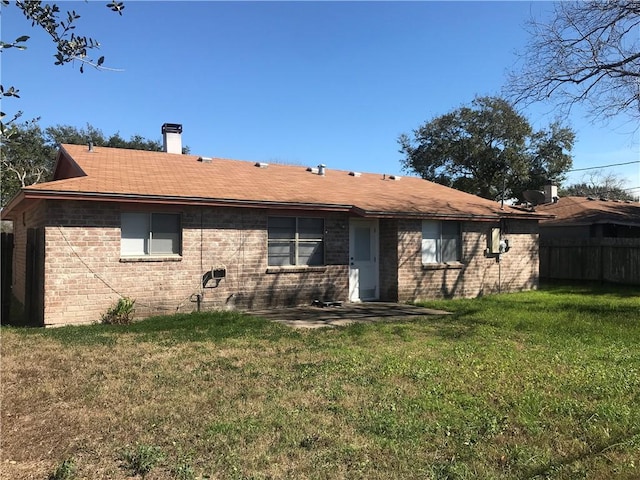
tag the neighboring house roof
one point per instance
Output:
(115, 174)
(578, 211)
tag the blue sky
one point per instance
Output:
(292, 82)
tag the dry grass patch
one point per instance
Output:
(496, 390)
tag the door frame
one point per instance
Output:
(375, 247)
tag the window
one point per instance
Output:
(295, 241)
(441, 242)
(150, 234)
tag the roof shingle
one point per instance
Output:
(573, 210)
(128, 174)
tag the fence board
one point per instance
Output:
(602, 259)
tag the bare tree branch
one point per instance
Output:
(588, 53)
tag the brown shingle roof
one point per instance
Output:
(585, 211)
(132, 175)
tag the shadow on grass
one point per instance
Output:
(590, 288)
(188, 327)
(207, 326)
(631, 441)
(461, 329)
(558, 312)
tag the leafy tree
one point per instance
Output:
(78, 136)
(82, 136)
(488, 149)
(599, 185)
(589, 53)
(28, 156)
(70, 47)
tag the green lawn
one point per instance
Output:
(542, 384)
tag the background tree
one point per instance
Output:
(81, 136)
(599, 185)
(28, 156)
(589, 52)
(488, 147)
(25, 158)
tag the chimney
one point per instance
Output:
(550, 193)
(172, 137)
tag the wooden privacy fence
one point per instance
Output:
(602, 259)
(6, 256)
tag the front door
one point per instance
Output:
(363, 260)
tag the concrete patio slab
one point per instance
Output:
(347, 313)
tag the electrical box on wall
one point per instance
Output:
(218, 272)
(213, 277)
(494, 242)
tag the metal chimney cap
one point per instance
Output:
(172, 128)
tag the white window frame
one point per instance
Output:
(295, 241)
(137, 235)
(436, 240)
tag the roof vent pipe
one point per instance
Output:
(91, 146)
(321, 169)
(172, 137)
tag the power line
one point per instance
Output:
(602, 166)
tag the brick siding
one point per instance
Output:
(33, 218)
(85, 274)
(388, 260)
(478, 273)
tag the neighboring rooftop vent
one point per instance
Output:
(172, 137)
(205, 159)
(390, 177)
(321, 169)
(261, 165)
(355, 174)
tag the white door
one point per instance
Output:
(363, 260)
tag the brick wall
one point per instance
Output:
(85, 274)
(33, 218)
(478, 273)
(388, 260)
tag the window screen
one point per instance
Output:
(441, 241)
(295, 241)
(149, 234)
